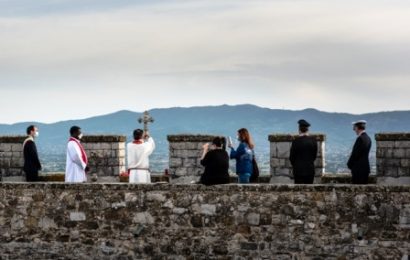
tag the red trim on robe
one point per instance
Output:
(138, 142)
(83, 154)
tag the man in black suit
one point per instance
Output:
(303, 154)
(32, 163)
(359, 160)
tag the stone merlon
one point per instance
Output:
(291, 137)
(13, 139)
(393, 137)
(104, 138)
(190, 138)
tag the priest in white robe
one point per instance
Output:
(138, 157)
(77, 160)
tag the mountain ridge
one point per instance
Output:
(221, 120)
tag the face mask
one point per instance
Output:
(36, 134)
(80, 136)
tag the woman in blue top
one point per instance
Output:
(243, 155)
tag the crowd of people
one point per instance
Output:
(215, 157)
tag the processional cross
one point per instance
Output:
(146, 119)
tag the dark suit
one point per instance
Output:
(359, 160)
(32, 163)
(303, 154)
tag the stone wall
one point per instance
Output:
(281, 168)
(11, 156)
(106, 155)
(122, 221)
(393, 157)
(184, 157)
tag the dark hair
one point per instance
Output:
(74, 130)
(218, 142)
(138, 133)
(30, 128)
(303, 129)
(245, 137)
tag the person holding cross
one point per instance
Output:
(138, 157)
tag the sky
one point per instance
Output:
(70, 59)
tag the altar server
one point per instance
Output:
(77, 160)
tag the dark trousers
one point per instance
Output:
(360, 178)
(31, 176)
(304, 179)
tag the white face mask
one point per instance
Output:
(36, 134)
(80, 136)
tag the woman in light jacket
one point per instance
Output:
(243, 156)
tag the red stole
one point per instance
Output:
(83, 154)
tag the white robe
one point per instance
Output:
(138, 157)
(75, 167)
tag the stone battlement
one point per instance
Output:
(125, 221)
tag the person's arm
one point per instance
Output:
(204, 157)
(129, 155)
(74, 153)
(355, 153)
(292, 154)
(151, 145)
(32, 151)
(236, 154)
(315, 150)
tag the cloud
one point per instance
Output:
(291, 54)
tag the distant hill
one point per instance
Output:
(222, 120)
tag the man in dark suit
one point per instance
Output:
(303, 154)
(32, 163)
(359, 160)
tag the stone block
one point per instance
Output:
(282, 172)
(390, 171)
(180, 153)
(273, 150)
(385, 144)
(405, 162)
(105, 146)
(180, 171)
(178, 146)
(190, 163)
(193, 146)
(402, 144)
(274, 162)
(77, 216)
(175, 162)
(403, 171)
(17, 147)
(121, 153)
(399, 153)
(392, 162)
(283, 150)
(5, 147)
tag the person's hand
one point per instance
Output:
(146, 135)
(206, 147)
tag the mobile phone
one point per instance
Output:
(230, 143)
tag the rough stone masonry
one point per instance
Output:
(123, 221)
(11, 156)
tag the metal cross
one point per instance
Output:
(146, 119)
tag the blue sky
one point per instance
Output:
(73, 59)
